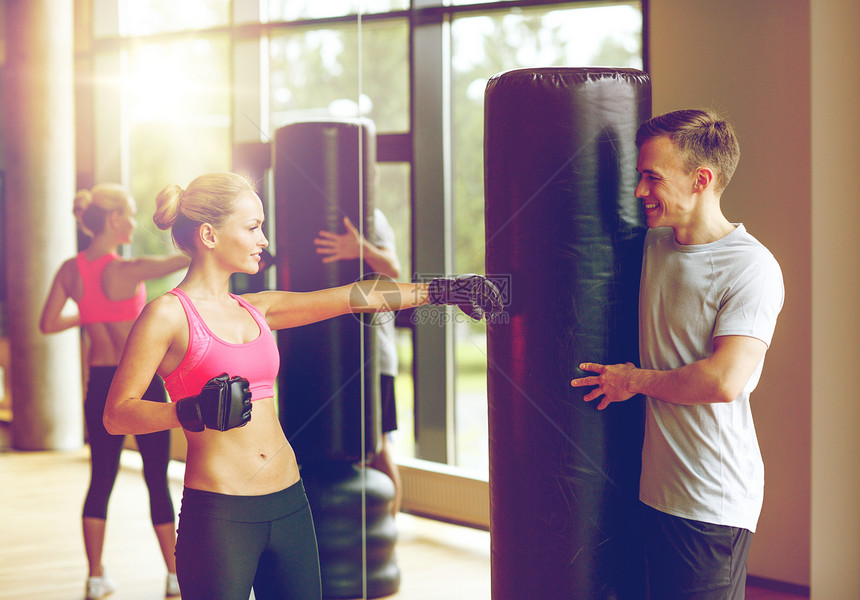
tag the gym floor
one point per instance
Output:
(42, 556)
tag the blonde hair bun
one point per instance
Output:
(167, 206)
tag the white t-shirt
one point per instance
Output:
(703, 462)
(383, 237)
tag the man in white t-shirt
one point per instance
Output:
(709, 298)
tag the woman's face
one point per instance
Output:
(240, 239)
(125, 222)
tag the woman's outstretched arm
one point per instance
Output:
(474, 294)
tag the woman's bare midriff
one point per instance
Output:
(252, 460)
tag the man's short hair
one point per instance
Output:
(702, 139)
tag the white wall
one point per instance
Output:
(751, 60)
(835, 292)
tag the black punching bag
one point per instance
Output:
(356, 532)
(563, 224)
(323, 173)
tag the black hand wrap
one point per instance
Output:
(266, 260)
(223, 403)
(476, 295)
(188, 411)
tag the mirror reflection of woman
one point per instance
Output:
(109, 292)
(245, 521)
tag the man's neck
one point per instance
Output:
(705, 229)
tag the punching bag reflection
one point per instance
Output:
(329, 379)
(562, 222)
(319, 180)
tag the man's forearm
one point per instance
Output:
(696, 383)
(381, 260)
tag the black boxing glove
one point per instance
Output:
(266, 260)
(223, 403)
(476, 295)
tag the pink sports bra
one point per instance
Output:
(94, 306)
(208, 356)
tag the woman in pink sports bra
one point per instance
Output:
(110, 294)
(244, 521)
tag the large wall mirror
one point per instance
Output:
(169, 90)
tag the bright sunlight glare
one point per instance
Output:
(162, 83)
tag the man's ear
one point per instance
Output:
(207, 236)
(704, 176)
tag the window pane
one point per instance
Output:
(385, 73)
(144, 17)
(178, 116)
(315, 74)
(392, 195)
(470, 396)
(404, 394)
(183, 82)
(294, 10)
(481, 46)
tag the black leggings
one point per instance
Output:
(106, 448)
(227, 544)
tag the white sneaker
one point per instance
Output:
(99, 587)
(172, 585)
